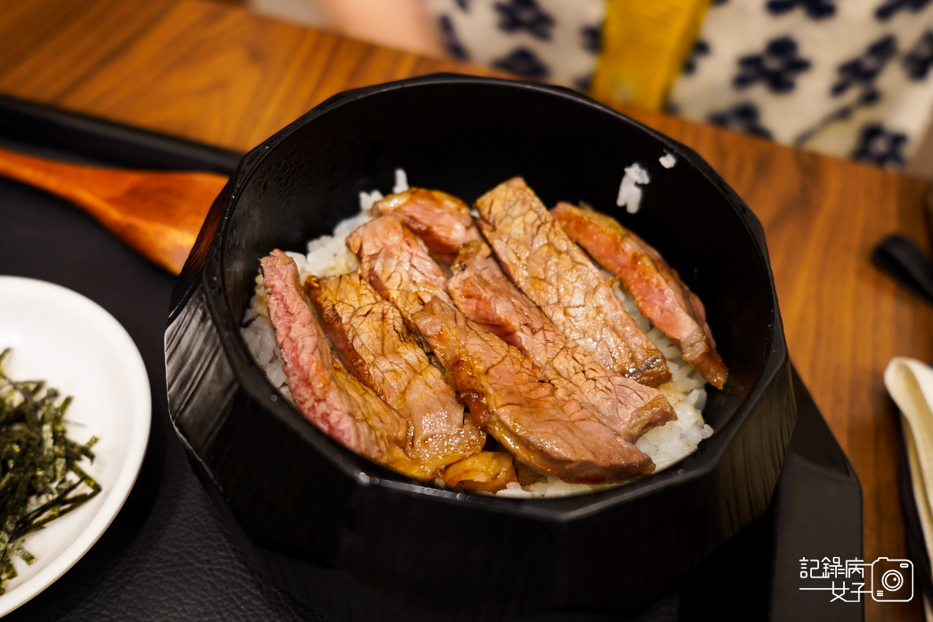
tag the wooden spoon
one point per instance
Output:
(157, 213)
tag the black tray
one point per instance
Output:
(171, 554)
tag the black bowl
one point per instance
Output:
(304, 501)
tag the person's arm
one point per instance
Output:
(403, 24)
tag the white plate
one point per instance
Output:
(62, 337)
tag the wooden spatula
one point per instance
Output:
(157, 213)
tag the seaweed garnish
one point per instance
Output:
(40, 476)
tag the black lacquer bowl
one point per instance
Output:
(434, 554)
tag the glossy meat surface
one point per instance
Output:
(441, 220)
(658, 291)
(512, 399)
(557, 275)
(376, 345)
(396, 263)
(322, 389)
(483, 292)
(506, 393)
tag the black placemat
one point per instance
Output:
(171, 555)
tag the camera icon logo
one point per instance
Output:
(892, 580)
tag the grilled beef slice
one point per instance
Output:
(395, 262)
(489, 471)
(656, 287)
(507, 394)
(511, 398)
(375, 344)
(558, 276)
(485, 295)
(442, 221)
(322, 389)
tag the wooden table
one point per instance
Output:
(220, 75)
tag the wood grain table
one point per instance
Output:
(217, 74)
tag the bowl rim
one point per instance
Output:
(368, 473)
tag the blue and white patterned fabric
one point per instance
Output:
(850, 78)
(845, 77)
(556, 41)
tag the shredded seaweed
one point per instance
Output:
(40, 478)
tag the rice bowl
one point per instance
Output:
(328, 255)
(294, 493)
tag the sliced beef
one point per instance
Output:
(506, 393)
(656, 287)
(487, 296)
(511, 398)
(483, 292)
(375, 344)
(488, 470)
(322, 389)
(442, 221)
(562, 280)
(396, 263)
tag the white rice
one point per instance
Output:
(629, 191)
(668, 160)
(666, 445)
